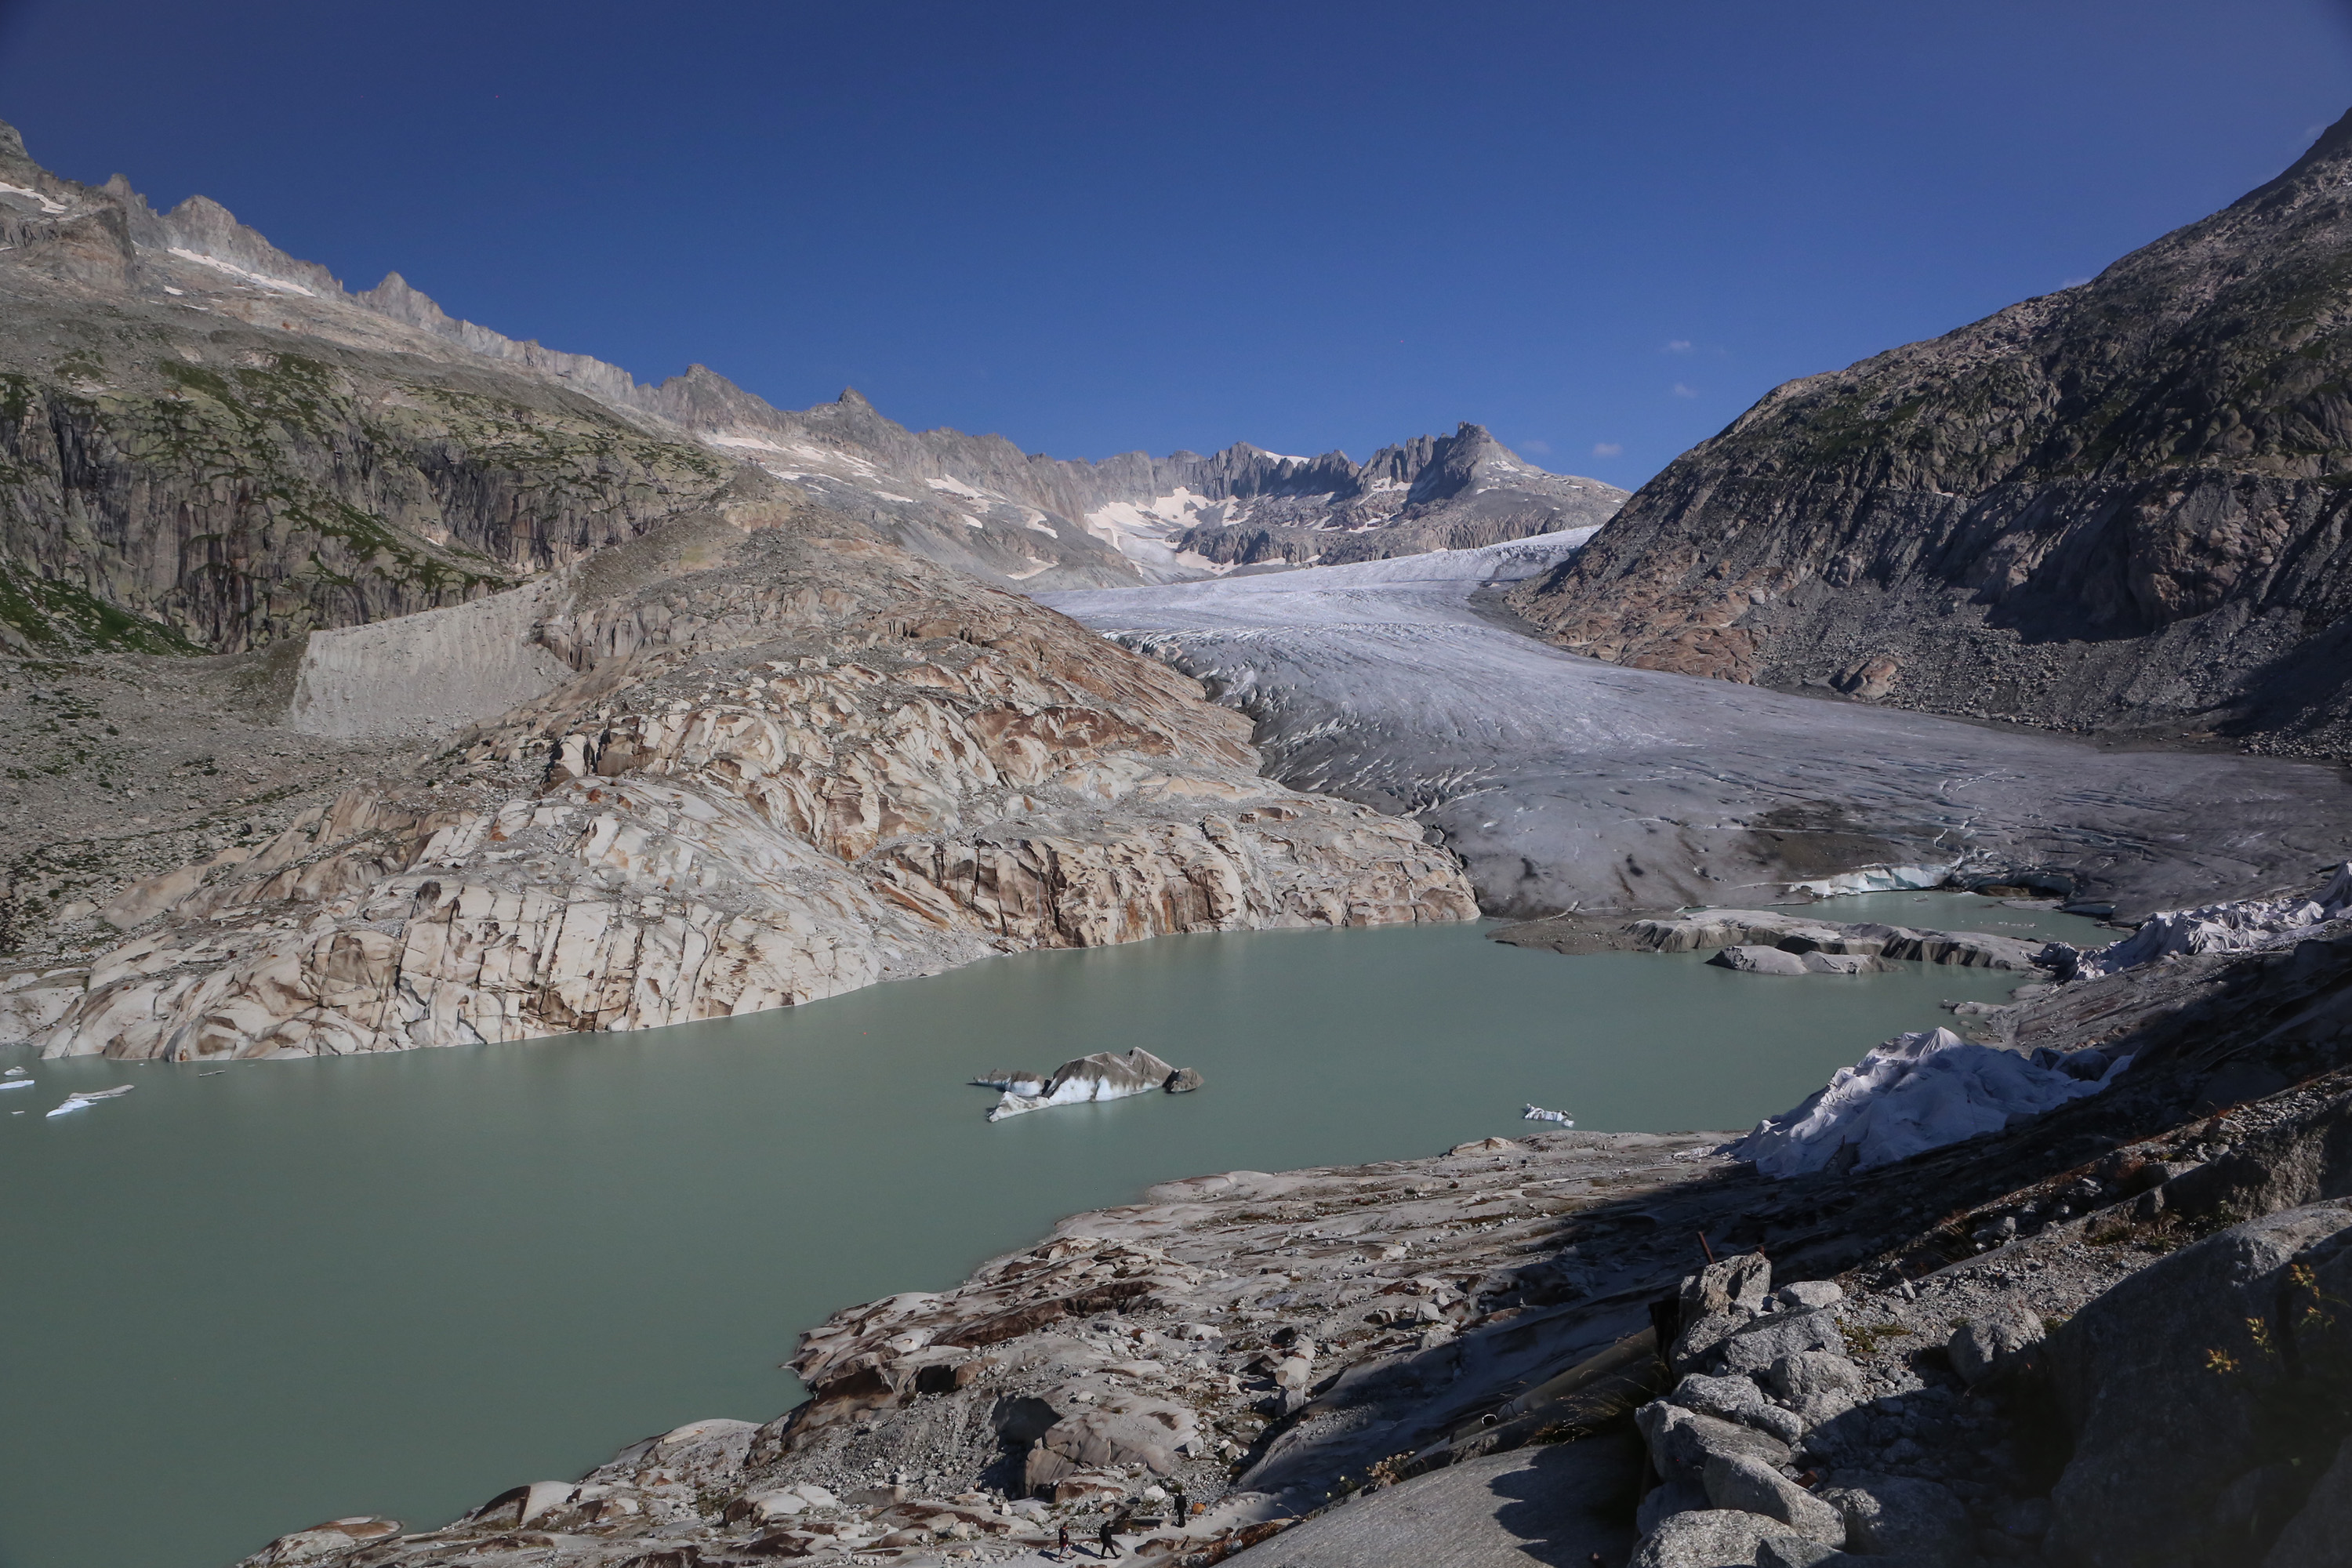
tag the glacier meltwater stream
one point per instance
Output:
(241, 1300)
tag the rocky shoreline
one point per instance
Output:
(2002, 1350)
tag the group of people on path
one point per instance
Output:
(1108, 1536)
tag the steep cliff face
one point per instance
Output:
(789, 762)
(227, 493)
(205, 444)
(2121, 506)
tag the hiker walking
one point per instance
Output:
(1183, 1507)
(1109, 1547)
(1063, 1549)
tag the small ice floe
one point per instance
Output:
(12, 1072)
(15, 1083)
(1102, 1076)
(1534, 1113)
(82, 1099)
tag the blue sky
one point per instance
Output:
(1601, 230)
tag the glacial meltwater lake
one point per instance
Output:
(238, 1301)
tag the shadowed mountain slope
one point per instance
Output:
(2119, 507)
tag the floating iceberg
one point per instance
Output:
(2240, 926)
(82, 1099)
(1534, 1113)
(16, 1083)
(1918, 1092)
(1102, 1076)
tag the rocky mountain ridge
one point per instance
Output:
(1169, 517)
(2120, 507)
(1433, 493)
(209, 443)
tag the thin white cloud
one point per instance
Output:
(1609, 448)
(1682, 391)
(2073, 282)
(1539, 447)
(1679, 346)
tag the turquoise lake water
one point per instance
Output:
(242, 1300)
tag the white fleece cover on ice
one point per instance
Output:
(2242, 926)
(1916, 1092)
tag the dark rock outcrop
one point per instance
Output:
(2207, 1394)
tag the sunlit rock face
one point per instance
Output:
(784, 764)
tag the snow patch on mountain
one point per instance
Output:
(48, 205)
(1139, 530)
(256, 278)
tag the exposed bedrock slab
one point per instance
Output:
(783, 764)
(1569, 783)
(1796, 935)
(1543, 1505)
